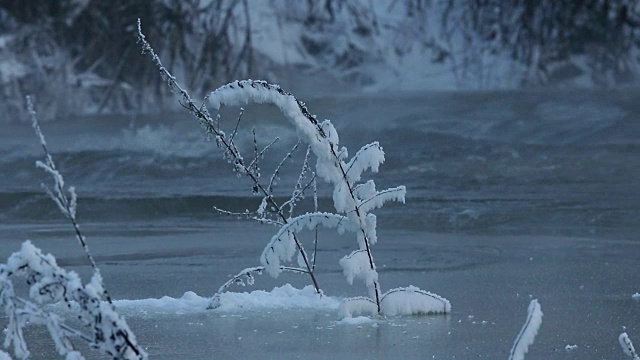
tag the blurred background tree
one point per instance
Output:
(81, 56)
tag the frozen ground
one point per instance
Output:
(585, 287)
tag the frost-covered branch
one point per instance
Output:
(276, 172)
(368, 157)
(250, 216)
(282, 245)
(212, 128)
(67, 204)
(381, 197)
(528, 332)
(48, 283)
(627, 346)
(255, 163)
(299, 190)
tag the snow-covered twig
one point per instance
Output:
(250, 216)
(298, 190)
(67, 204)
(202, 114)
(276, 172)
(255, 163)
(627, 346)
(50, 284)
(528, 332)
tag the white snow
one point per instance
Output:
(358, 320)
(413, 301)
(4, 356)
(636, 296)
(627, 346)
(283, 297)
(571, 347)
(357, 306)
(49, 284)
(528, 333)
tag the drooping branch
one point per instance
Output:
(121, 343)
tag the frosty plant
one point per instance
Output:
(353, 198)
(528, 332)
(627, 346)
(48, 284)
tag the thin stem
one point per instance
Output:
(235, 131)
(262, 220)
(68, 208)
(276, 172)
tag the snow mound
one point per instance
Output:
(636, 296)
(190, 302)
(283, 297)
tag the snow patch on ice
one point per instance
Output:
(284, 297)
(636, 296)
(354, 307)
(190, 302)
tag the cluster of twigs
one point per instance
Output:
(353, 200)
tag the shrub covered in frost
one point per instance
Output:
(528, 332)
(49, 284)
(353, 197)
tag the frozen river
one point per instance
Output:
(511, 196)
